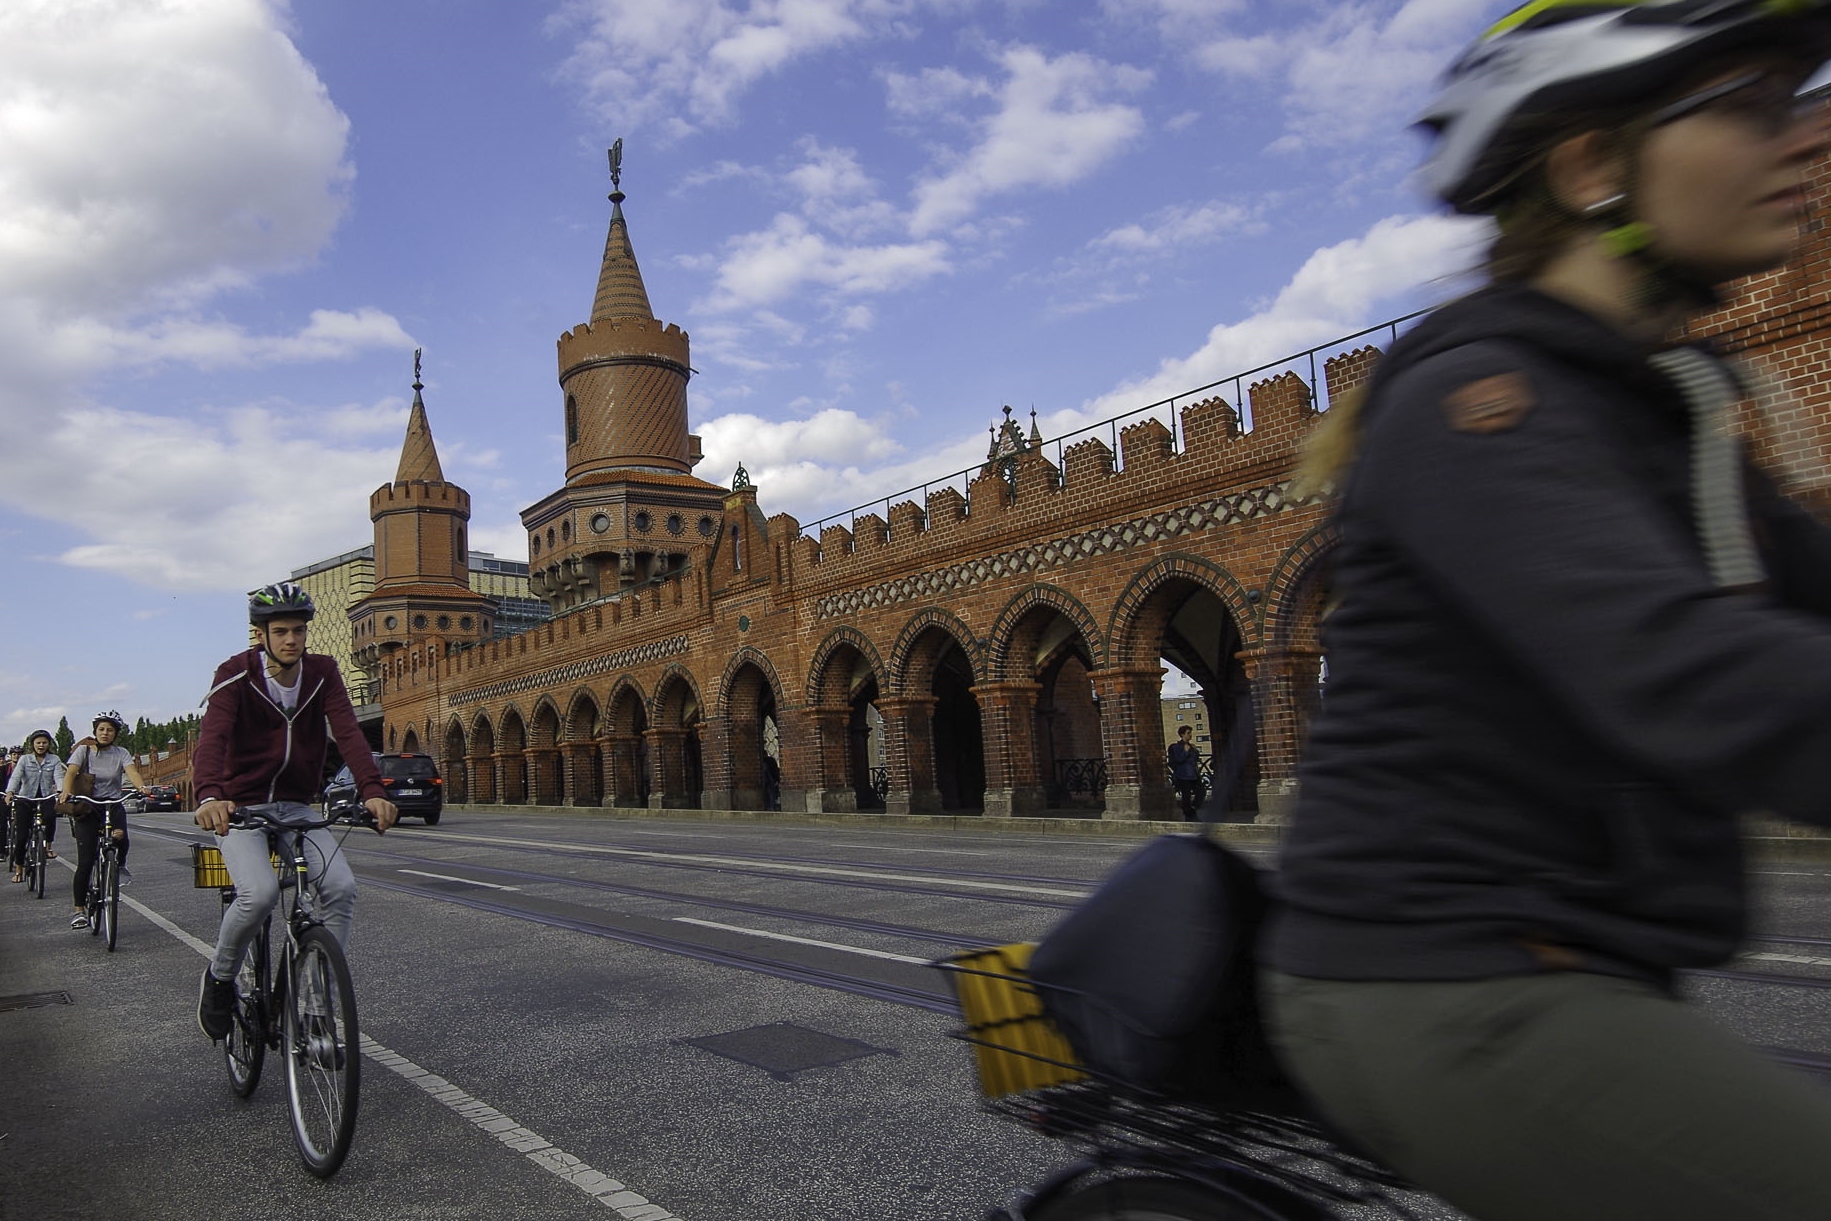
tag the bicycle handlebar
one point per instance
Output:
(245, 816)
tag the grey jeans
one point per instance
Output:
(1558, 1097)
(257, 888)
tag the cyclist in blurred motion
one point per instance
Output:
(1576, 633)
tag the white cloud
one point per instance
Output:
(152, 156)
(1175, 227)
(1055, 124)
(774, 263)
(1332, 294)
(685, 63)
(835, 459)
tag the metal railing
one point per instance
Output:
(1318, 391)
(1075, 777)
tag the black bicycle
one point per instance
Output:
(37, 849)
(299, 1002)
(103, 903)
(1144, 1156)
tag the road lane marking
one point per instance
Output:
(1803, 960)
(630, 1205)
(446, 877)
(825, 945)
(779, 866)
(888, 848)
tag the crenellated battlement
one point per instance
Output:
(412, 497)
(623, 338)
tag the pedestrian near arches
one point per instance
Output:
(1186, 773)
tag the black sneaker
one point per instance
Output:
(215, 1005)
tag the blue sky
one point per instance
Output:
(225, 224)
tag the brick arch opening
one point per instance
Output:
(1044, 736)
(511, 750)
(750, 757)
(1197, 617)
(844, 684)
(410, 741)
(453, 765)
(1292, 665)
(583, 751)
(938, 721)
(626, 764)
(546, 772)
(485, 789)
(676, 769)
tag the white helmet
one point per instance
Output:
(1552, 56)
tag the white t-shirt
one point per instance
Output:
(286, 697)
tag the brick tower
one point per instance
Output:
(631, 507)
(422, 555)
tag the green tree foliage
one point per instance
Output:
(149, 737)
(63, 741)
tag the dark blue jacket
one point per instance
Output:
(1543, 717)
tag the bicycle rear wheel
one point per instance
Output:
(323, 1059)
(245, 1048)
(1145, 1199)
(40, 864)
(111, 903)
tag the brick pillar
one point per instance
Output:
(909, 754)
(1131, 732)
(582, 774)
(480, 770)
(667, 756)
(509, 790)
(822, 760)
(1284, 697)
(622, 774)
(720, 791)
(545, 787)
(1013, 778)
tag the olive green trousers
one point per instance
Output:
(1559, 1097)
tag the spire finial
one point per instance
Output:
(616, 172)
(740, 478)
(417, 387)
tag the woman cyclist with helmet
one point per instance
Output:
(1576, 633)
(105, 759)
(262, 746)
(36, 780)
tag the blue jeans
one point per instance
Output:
(257, 887)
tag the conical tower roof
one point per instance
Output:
(419, 459)
(621, 293)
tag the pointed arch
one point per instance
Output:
(625, 706)
(746, 656)
(818, 686)
(1286, 594)
(1005, 634)
(920, 641)
(1123, 631)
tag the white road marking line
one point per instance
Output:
(629, 1205)
(825, 945)
(888, 848)
(781, 866)
(1804, 960)
(446, 877)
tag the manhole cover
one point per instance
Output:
(783, 1049)
(33, 1000)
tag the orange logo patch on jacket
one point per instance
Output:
(1493, 404)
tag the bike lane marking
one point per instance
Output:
(630, 1205)
(825, 945)
(779, 866)
(446, 877)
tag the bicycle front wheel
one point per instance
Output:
(323, 1059)
(111, 904)
(245, 1049)
(1145, 1199)
(40, 862)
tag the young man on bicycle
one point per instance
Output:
(262, 745)
(32, 790)
(102, 758)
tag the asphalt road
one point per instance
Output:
(579, 1016)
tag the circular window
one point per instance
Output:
(706, 527)
(549, 538)
(644, 521)
(390, 623)
(465, 623)
(565, 531)
(675, 525)
(599, 523)
(419, 621)
(444, 623)
(534, 544)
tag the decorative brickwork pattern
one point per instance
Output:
(577, 671)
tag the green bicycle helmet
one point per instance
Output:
(282, 600)
(1554, 56)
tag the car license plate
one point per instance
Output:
(409, 793)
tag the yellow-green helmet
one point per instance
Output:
(1553, 56)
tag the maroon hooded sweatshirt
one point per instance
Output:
(248, 751)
